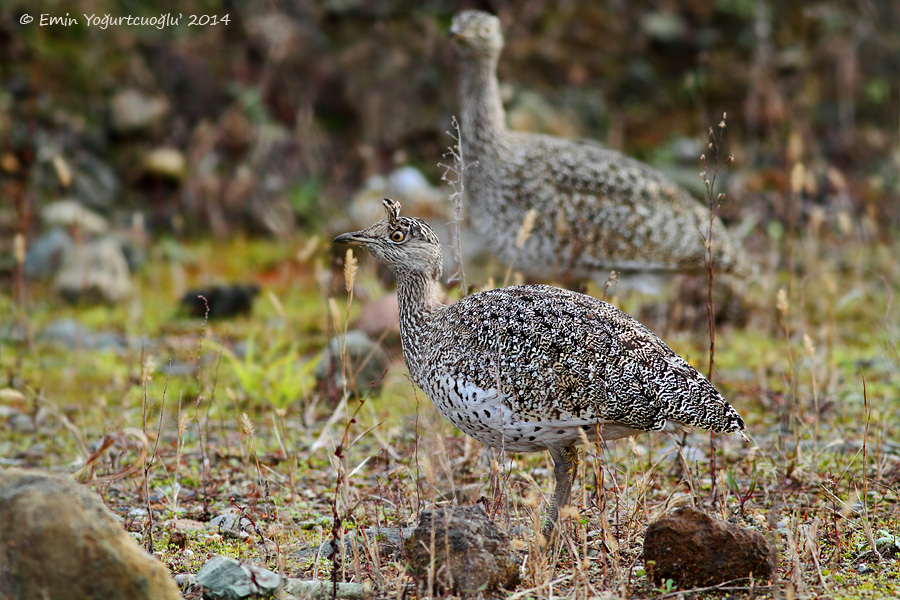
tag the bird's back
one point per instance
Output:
(544, 354)
(596, 210)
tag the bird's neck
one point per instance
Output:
(417, 298)
(482, 120)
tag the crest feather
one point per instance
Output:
(392, 208)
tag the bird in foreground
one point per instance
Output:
(535, 367)
(597, 209)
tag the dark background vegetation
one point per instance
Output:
(345, 89)
(249, 143)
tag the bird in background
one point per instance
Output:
(598, 210)
(535, 367)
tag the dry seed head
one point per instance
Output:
(781, 302)
(183, 419)
(568, 512)
(19, 248)
(798, 175)
(526, 228)
(308, 250)
(350, 268)
(276, 303)
(808, 345)
(247, 424)
(335, 313)
(63, 172)
(845, 223)
(147, 369)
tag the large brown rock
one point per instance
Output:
(693, 549)
(469, 552)
(59, 541)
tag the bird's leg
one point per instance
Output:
(565, 464)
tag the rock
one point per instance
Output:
(224, 301)
(471, 555)
(132, 110)
(94, 182)
(72, 335)
(168, 163)
(406, 184)
(367, 362)
(95, 271)
(13, 333)
(231, 525)
(380, 316)
(314, 589)
(223, 578)
(887, 546)
(45, 253)
(133, 248)
(664, 26)
(388, 539)
(693, 550)
(60, 541)
(72, 214)
(186, 581)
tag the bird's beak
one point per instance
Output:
(454, 34)
(354, 238)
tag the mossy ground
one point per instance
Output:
(816, 379)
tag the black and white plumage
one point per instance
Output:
(535, 367)
(597, 209)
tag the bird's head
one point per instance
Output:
(477, 33)
(403, 244)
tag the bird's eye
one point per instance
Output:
(397, 236)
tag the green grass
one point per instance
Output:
(265, 435)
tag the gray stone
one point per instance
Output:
(94, 181)
(231, 525)
(224, 578)
(169, 163)
(64, 332)
(389, 541)
(366, 362)
(15, 333)
(132, 248)
(132, 110)
(21, 423)
(314, 589)
(45, 253)
(466, 549)
(186, 580)
(60, 541)
(408, 185)
(95, 271)
(380, 316)
(73, 214)
(693, 549)
(72, 335)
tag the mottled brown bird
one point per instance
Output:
(598, 210)
(535, 367)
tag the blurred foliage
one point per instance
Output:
(295, 103)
